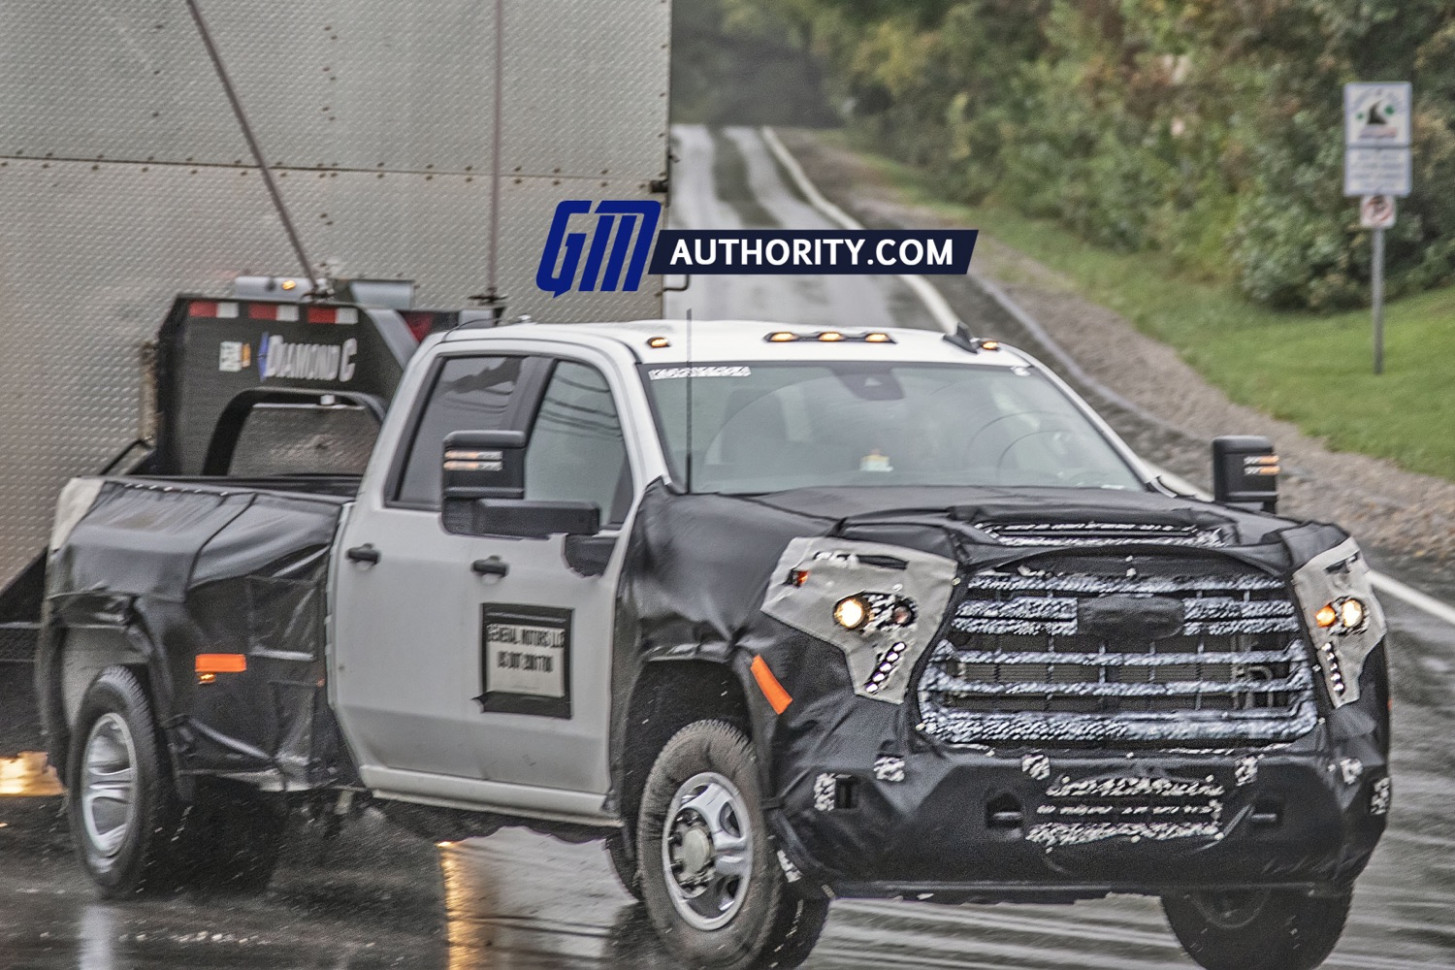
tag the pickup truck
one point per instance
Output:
(780, 614)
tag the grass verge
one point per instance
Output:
(1313, 370)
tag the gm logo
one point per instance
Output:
(621, 241)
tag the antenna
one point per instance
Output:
(242, 119)
(689, 400)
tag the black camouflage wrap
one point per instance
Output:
(870, 794)
(868, 800)
(176, 570)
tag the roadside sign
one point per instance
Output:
(1378, 171)
(1377, 166)
(1376, 211)
(1377, 138)
(1377, 115)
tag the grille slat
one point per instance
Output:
(940, 681)
(1013, 663)
(1150, 585)
(1252, 624)
(1290, 654)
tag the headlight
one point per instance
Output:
(851, 613)
(1348, 614)
(1351, 612)
(875, 611)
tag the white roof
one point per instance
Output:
(733, 340)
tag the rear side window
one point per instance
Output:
(576, 451)
(469, 394)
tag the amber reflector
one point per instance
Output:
(221, 663)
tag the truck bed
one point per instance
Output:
(156, 571)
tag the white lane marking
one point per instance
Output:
(1412, 596)
(1383, 583)
(946, 318)
(928, 295)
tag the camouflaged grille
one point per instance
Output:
(1013, 663)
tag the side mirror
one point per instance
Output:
(1245, 471)
(534, 519)
(482, 483)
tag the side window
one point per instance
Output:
(470, 394)
(576, 451)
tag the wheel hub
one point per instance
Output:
(707, 850)
(696, 851)
(108, 784)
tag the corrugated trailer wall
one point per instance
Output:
(124, 178)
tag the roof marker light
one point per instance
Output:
(657, 343)
(782, 337)
(830, 336)
(288, 284)
(990, 345)
(878, 338)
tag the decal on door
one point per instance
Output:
(525, 660)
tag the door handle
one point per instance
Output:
(365, 553)
(494, 566)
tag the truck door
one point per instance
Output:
(489, 658)
(401, 611)
(540, 645)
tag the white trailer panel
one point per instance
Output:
(125, 179)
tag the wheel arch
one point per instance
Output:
(76, 655)
(669, 694)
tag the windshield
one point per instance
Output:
(770, 427)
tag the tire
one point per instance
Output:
(1257, 930)
(710, 876)
(124, 812)
(624, 863)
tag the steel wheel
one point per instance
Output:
(707, 850)
(108, 784)
(711, 880)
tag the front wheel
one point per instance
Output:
(1257, 929)
(709, 875)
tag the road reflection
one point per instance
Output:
(95, 936)
(28, 775)
(522, 900)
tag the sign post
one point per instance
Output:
(1377, 166)
(1376, 212)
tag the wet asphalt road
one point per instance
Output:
(376, 897)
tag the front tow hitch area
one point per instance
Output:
(1008, 827)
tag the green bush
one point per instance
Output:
(1210, 130)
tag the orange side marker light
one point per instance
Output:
(222, 663)
(778, 698)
